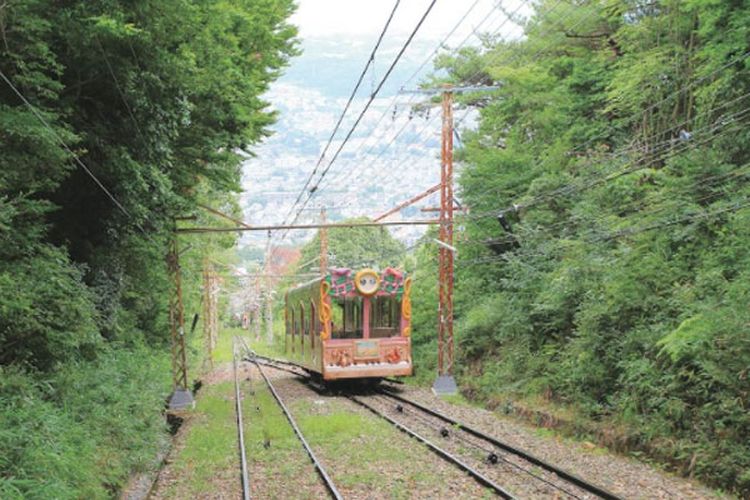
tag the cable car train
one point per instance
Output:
(351, 325)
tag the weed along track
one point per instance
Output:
(365, 456)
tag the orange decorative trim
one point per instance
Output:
(325, 311)
(406, 307)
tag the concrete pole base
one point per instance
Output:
(181, 399)
(445, 385)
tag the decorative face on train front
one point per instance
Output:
(367, 282)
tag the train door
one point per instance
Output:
(286, 325)
(313, 333)
(294, 331)
(302, 329)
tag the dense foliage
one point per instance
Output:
(129, 114)
(356, 247)
(616, 152)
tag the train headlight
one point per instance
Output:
(367, 282)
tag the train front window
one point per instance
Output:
(346, 318)
(385, 318)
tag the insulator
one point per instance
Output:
(492, 458)
(444, 432)
(399, 408)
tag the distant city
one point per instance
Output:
(369, 176)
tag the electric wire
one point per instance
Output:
(375, 143)
(366, 107)
(396, 169)
(369, 63)
(75, 157)
(607, 176)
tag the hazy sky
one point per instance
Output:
(392, 154)
(317, 18)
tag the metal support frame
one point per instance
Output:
(336, 225)
(181, 397)
(323, 232)
(445, 384)
(410, 201)
(210, 310)
(268, 295)
(257, 309)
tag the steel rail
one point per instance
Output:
(568, 476)
(562, 473)
(318, 466)
(240, 431)
(481, 478)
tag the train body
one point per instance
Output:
(351, 325)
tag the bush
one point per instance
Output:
(79, 433)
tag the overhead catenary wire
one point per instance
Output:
(606, 176)
(613, 126)
(411, 77)
(707, 181)
(632, 119)
(366, 107)
(667, 222)
(738, 172)
(388, 173)
(368, 64)
(412, 97)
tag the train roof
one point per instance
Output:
(341, 281)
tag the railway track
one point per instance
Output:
(493, 463)
(494, 448)
(319, 468)
(240, 427)
(500, 461)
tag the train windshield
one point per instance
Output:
(385, 318)
(348, 313)
(346, 318)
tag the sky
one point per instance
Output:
(394, 153)
(320, 18)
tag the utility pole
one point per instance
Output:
(445, 383)
(181, 397)
(268, 294)
(256, 309)
(207, 312)
(323, 243)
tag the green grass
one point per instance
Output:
(210, 446)
(368, 455)
(273, 449)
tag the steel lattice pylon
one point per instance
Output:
(181, 396)
(446, 254)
